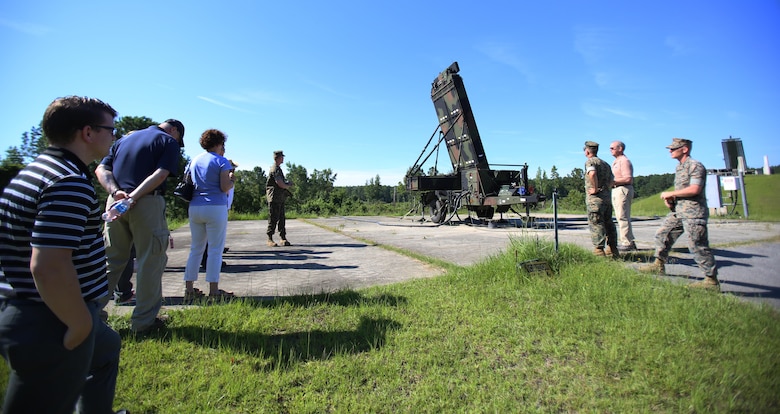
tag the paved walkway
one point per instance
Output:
(343, 252)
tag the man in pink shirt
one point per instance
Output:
(622, 195)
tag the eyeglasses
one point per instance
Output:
(613, 148)
(110, 128)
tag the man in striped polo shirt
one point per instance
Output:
(53, 270)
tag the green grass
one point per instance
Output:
(763, 197)
(594, 337)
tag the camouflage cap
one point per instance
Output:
(278, 154)
(591, 144)
(679, 142)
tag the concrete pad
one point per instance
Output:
(346, 254)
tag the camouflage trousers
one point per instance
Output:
(698, 241)
(602, 229)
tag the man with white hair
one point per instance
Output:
(622, 195)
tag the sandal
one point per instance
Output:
(193, 295)
(222, 294)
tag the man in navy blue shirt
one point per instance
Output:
(136, 169)
(61, 355)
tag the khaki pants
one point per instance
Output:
(621, 203)
(145, 227)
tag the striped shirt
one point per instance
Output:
(51, 203)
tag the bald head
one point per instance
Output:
(617, 148)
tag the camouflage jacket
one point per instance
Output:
(691, 172)
(604, 178)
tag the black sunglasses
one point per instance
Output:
(110, 128)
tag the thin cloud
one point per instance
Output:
(222, 104)
(624, 113)
(26, 28)
(254, 97)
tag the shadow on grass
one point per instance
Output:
(341, 298)
(282, 350)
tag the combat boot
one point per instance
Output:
(271, 243)
(707, 283)
(658, 266)
(284, 242)
(599, 251)
(612, 251)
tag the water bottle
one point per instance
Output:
(116, 210)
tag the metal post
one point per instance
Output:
(555, 217)
(741, 178)
(744, 195)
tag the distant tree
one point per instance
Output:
(7, 173)
(374, 189)
(249, 191)
(321, 183)
(555, 178)
(652, 184)
(300, 179)
(574, 200)
(572, 182)
(13, 158)
(33, 143)
(414, 172)
(540, 182)
(127, 124)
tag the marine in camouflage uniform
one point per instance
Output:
(276, 192)
(689, 214)
(598, 199)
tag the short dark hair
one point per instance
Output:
(176, 124)
(64, 116)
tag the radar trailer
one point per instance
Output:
(472, 184)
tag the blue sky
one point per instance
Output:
(345, 85)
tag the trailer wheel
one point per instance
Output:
(438, 210)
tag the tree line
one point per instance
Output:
(314, 192)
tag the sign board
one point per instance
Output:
(729, 183)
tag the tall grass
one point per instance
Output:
(595, 337)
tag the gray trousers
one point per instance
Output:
(47, 378)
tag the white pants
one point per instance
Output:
(208, 224)
(621, 203)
